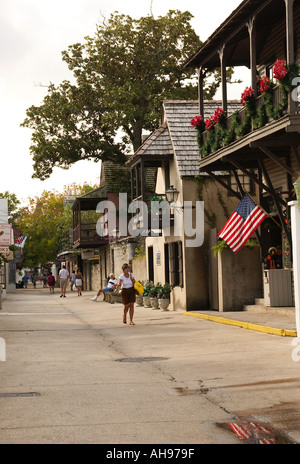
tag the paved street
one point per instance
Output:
(75, 374)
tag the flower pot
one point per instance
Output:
(146, 301)
(154, 302)
(163, 304)
(139, 300)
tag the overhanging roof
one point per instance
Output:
(234, 33)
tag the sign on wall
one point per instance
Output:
(6, 235)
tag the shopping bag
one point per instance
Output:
(139, 287)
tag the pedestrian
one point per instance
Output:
(78, 281)
(111, 285)
(51, 282)
(126, 281)
(72, 280)
(63, 280)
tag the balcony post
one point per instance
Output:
(252, 35)
(201, 75)
(223, 78)
(290, 52)
(290, 46)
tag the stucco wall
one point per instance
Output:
(240, 278)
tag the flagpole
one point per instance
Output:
(268, 214)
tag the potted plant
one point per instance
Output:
(148, 284)
(164, 297)
(154, 291)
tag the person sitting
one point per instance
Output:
(112, 283)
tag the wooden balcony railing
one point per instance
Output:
(276, 103)
(85, 235)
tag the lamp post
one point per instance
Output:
(172, 194)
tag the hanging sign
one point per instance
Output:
(6, 235)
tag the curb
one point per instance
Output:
(245, 325)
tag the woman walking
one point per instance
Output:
(78, 281)
(126, 281)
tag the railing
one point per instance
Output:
(259, 101)
(86, 234)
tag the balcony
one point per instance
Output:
(85, 236)
(85, 220)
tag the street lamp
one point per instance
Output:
(172, 194)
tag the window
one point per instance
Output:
(175, 264)
(245, 181)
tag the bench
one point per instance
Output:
(113, 297)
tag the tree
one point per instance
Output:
(121, 75)
(14, 208)
(46, 221)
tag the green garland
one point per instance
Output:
(219, 136)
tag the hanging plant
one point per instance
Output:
(198, 123)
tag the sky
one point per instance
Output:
(33, 33)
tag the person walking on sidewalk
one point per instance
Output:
(111, 285)
(63, 281)
(72, 280)
(78, 281)
(126, 281)
(51, 282)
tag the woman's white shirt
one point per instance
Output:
(126, 281)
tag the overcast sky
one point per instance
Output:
(33, 33)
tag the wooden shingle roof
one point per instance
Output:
(178, 115)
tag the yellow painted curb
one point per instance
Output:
(244, 325)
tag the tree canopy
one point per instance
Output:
(46, 222)
(120, 78)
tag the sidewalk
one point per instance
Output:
(272, 321)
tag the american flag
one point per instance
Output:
(20, 241)
(242, 223)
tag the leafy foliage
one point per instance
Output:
(121, 76)
(46, 222)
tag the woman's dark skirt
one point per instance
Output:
(128, 295)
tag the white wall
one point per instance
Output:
(295, 218)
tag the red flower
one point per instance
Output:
(218, 115)
(265, 84)
(247, 95)
(279, 70)
(209, 123)
(197, 120)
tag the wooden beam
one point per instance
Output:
(253, 61)
(286, 141)
(296, 153)
(277, 160)
(255, 179)
(201, 75)
(290, 47)
(223, 78)
(226, 186)
(275, 199)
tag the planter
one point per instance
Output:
(147, 302)
(139, 300)
(154, 302)
(163, 304)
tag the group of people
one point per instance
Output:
(75, 279)
(126, 282)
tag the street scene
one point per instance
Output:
(74, 373)
(150, 224)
